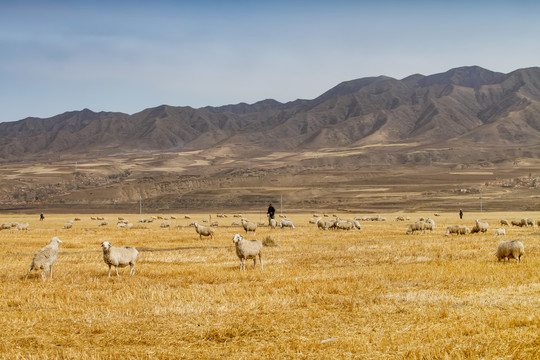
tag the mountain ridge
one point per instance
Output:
(467, 104)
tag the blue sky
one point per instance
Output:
(58, 56)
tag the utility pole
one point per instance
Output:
(140, 205)
(480, 200)
(281, 204)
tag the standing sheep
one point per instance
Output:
(416, 226)
(286, 223)
(249, 226)
(480, 227)
(44, 259)
(510, 249)
(203, 230)
(119, 257)
(505, 222)
(247, 249)
(500, 232)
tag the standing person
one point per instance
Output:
(271, 211)
(41, 216)
(460, 214)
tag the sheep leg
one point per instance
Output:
(116, 268)
(242, 265)
(254, 262)
(50, 269)
(132, 269)
(28, 273)
(260, 260)
(109, 270)
(44, 274)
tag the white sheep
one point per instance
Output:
(519, 223)
(249, 226)
(500, 232)
(22, 226)
(44, 259)
(286, 223)
(321, 224)
(416, 226)
(119, 257)
(510, 250)
(430, 224)
(67, 225)
(203, 230)
(505, 222)
(530, 222)
(273, 223)
(480, 227)
(247, 249)
(165, 224)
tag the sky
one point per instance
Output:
(126, 56)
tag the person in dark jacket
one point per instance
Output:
(271, 212)
(460, 214)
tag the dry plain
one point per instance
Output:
(373, 293)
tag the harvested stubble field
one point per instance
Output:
(370, 294)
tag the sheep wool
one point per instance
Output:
(119, 257)
(510, 250)
(247, 249)
(45, 258)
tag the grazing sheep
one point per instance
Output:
(457, 229)
(67, 225)
(344, 225)
(204, 230)
(187, 217)
(452, 229)
(44, 259)
(500, 232)
(22, 226)
(273, 223)
(165, 224)
(510, 250)
(5, 226)
(530, 222)
(519, 223)
(321, 224)
(314, 220)
(416, 226)
(505, 222)
(286, 223)
(399, 218)
(357, 224)
(480, 227)
(464, 230)
(236, 223)
(430, 224)
(119, 257)
(173, 217)
(247, 249)
(103, 223)
(249, 226)
(214, 223)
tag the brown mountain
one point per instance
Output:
(466, 106)
(371, 144)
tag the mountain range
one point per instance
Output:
(465, 107)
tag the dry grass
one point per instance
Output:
(369, 294)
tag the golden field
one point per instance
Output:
(374, 293)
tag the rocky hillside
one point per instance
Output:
(463, 107)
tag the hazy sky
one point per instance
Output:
(58, 56)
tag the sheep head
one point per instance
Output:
(237, 238)
(105, 245)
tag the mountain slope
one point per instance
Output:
(463, 106)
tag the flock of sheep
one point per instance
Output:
(45, 258)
